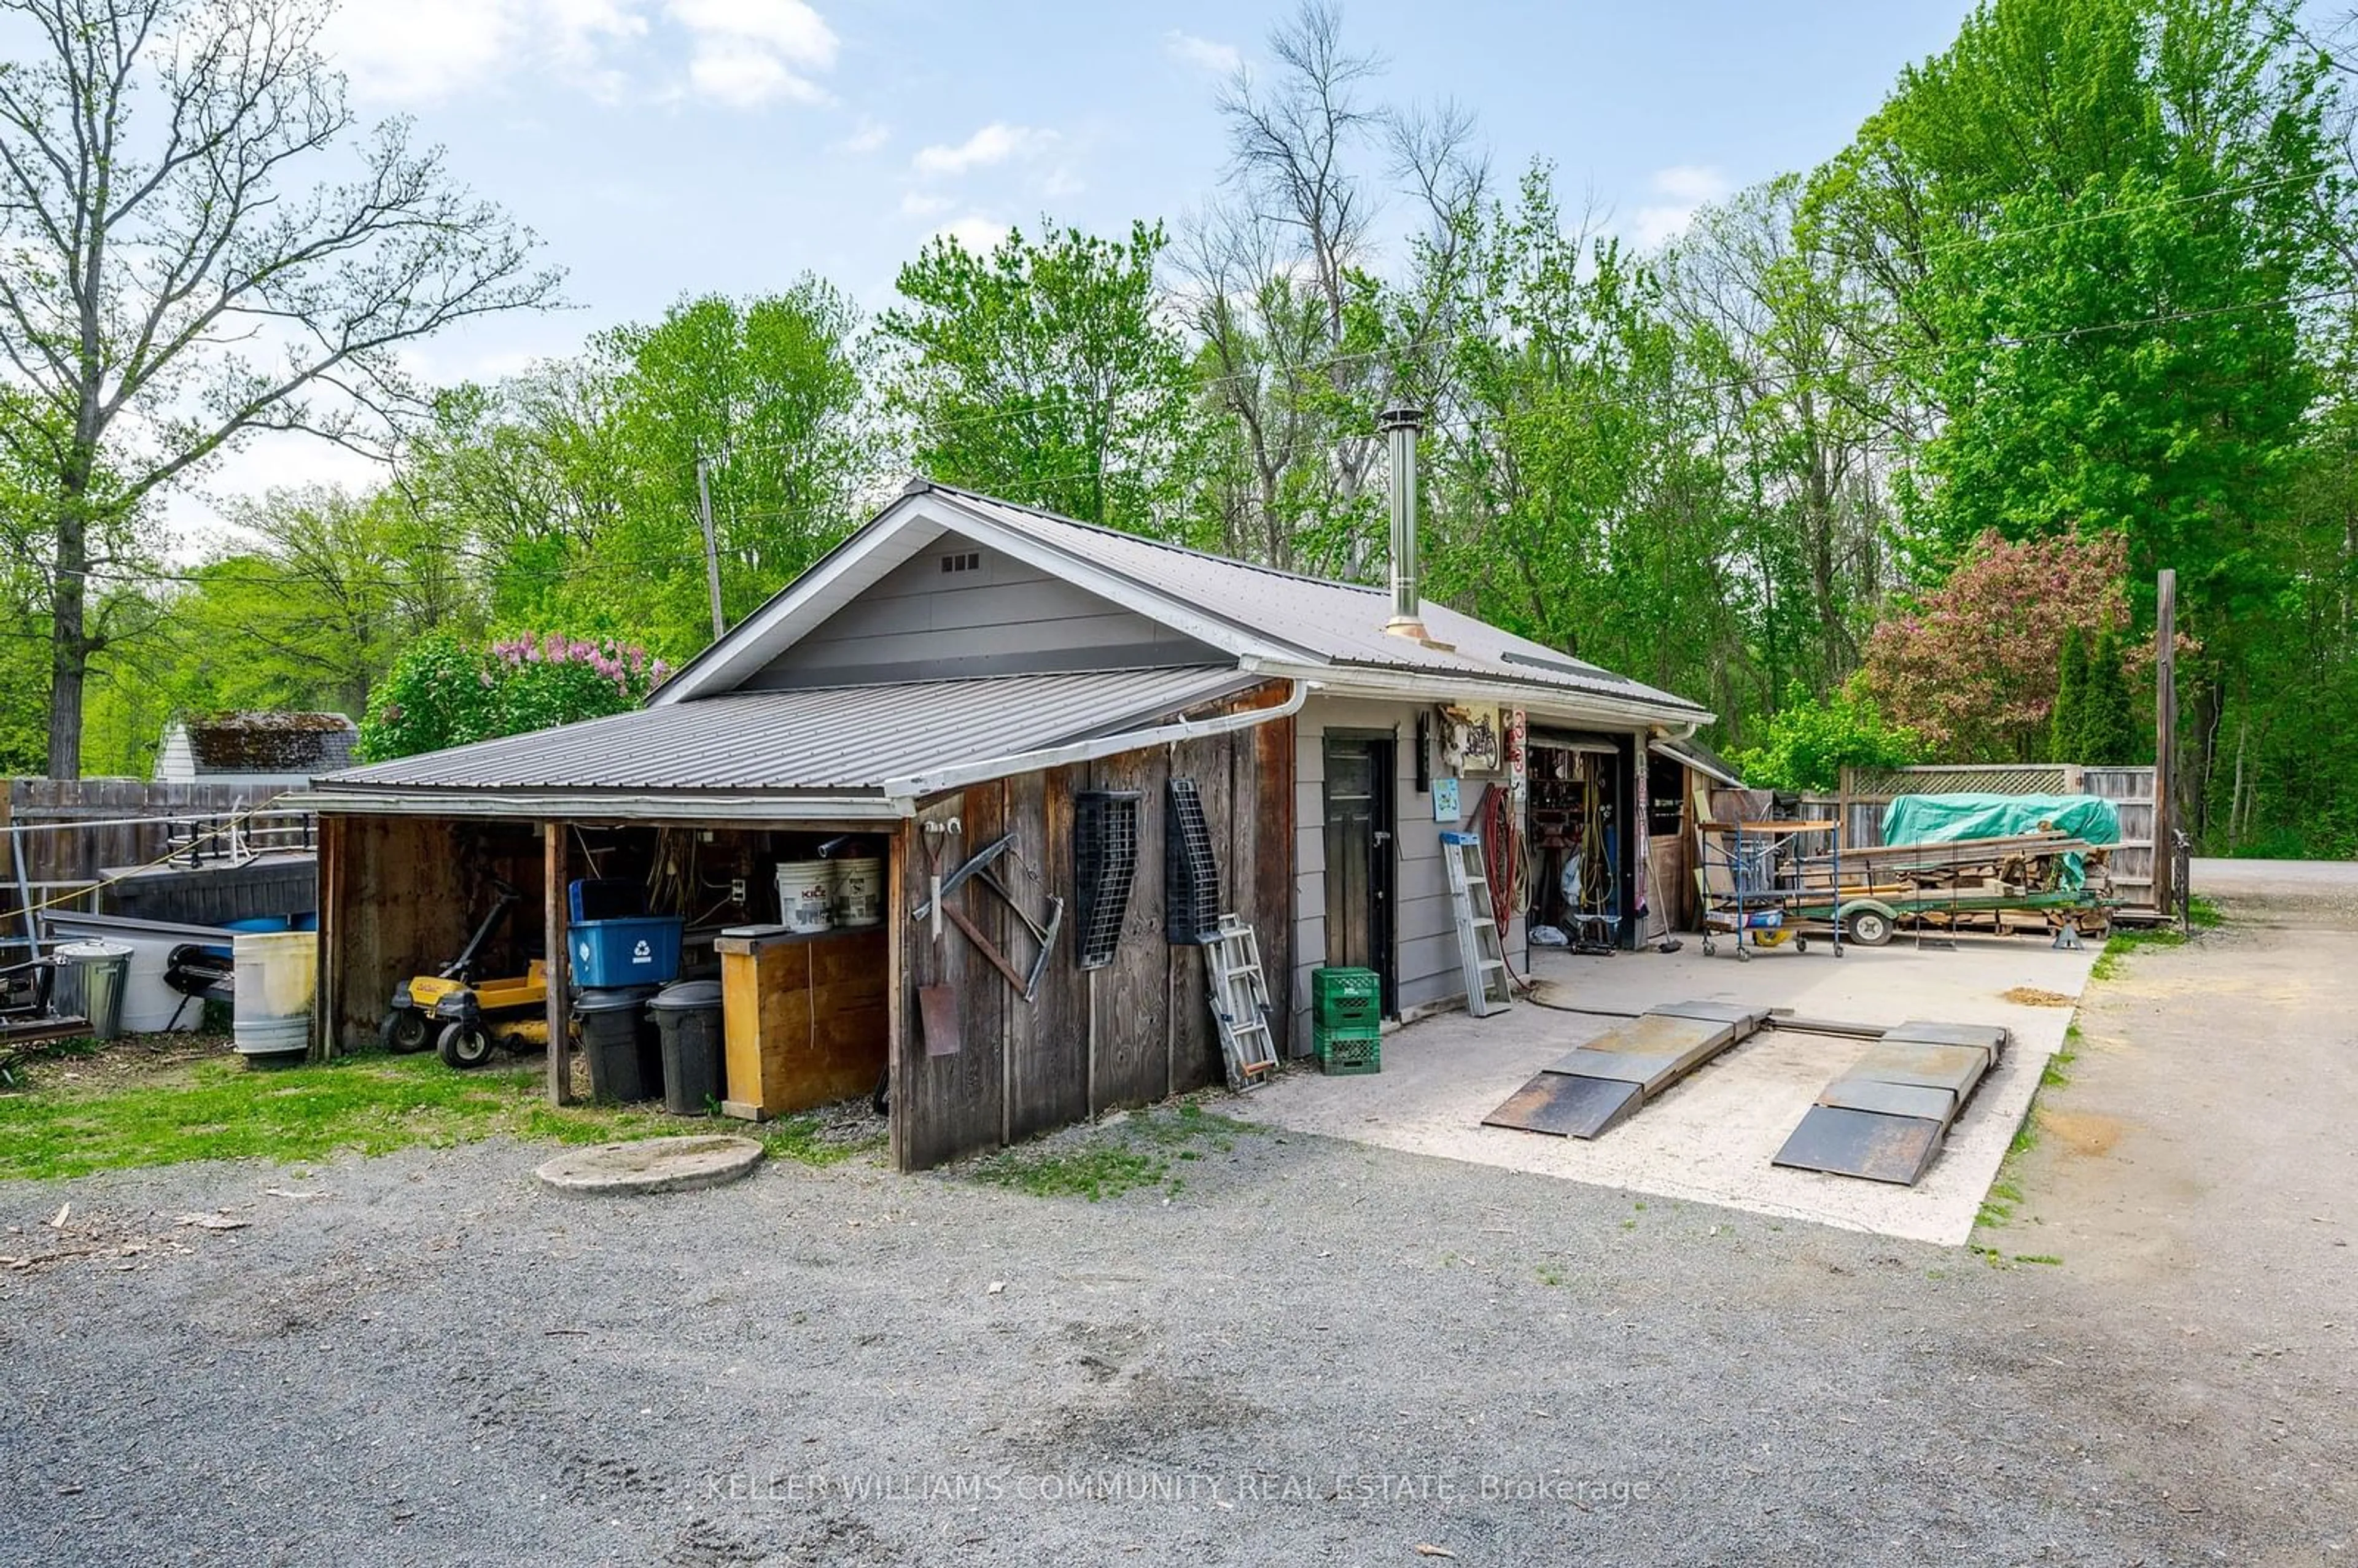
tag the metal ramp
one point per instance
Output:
(1239, 999)
(1482, 954)
(1885, 1118)
(1593, 1088)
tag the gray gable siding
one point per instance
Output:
(920, 621)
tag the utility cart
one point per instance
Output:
(1750, 876)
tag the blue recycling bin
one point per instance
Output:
(641, 951)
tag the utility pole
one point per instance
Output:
(2167, 893)
(711, 545)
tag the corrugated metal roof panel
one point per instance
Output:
(1339, 622)
(828, 737)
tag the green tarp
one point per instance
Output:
(1944, 818)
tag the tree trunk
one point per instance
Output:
(69, 646)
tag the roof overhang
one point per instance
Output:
(1536, 700)
(684, 806)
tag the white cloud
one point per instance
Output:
(977, 234)
(917, 204)
(748, 52)
(423, 50)
(1062, 181)
(994, 143)
(1203, 54)
(869, 135)
(1678, 191)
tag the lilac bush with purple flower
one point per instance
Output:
(445, 692)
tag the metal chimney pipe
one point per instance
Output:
(1401, 425)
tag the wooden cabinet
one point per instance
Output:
(804, 1019)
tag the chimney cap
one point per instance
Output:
(1401, 416)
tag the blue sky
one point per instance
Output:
(665, 146)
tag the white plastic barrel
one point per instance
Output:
(278, 978)
(859, 890)
(806, 895)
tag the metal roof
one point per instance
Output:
(833, 741)
(1332, 622)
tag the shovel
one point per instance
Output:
(937, 1014)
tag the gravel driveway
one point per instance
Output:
(1312, 1352)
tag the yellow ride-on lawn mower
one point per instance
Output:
(461, 1013)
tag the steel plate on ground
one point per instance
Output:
(1956, 1068)
(1714, 1011)
(1891, 1099)
(1654, 1051)
(1991, 1037)
(1567, 1107)
(1841, 1142)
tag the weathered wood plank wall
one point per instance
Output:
(1126, 1035)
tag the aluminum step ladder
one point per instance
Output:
(1239, 999)
(1480, 949)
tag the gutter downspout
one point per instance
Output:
(905, 792)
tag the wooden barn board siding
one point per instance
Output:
(1126, 1035)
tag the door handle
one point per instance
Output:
(1382, 837)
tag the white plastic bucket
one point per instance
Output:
(277, 977)
(806, 895)
(859, 890)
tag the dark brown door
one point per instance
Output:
(1358, 810)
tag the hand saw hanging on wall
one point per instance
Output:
(978, 869)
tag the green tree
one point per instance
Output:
(768, 394)
(1809, 742)
(1045, 372)
(155, 224)
(2108, 730)
(2068, 718)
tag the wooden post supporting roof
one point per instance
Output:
(560, 1062)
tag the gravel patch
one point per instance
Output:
(1286, 1348)
(1314, 1352)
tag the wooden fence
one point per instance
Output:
(123, 823)
(1867, 793)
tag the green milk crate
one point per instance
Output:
(1346, 1049)
(1345, 999)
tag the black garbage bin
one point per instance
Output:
(689, 1015)
(611, 1020)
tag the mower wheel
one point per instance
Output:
(404, 1032)
(464, 1045)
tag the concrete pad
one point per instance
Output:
(653, 1166)
(1711, 1138)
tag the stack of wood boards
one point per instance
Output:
(2020, 863)
(1595, 1088)
(1884, 1117)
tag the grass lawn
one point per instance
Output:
(216, 1108)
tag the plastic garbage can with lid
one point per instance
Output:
(90, 980)
(689, 1015)
(610, 1019)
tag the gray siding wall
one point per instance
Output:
(1425, 939)
(920, 623)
